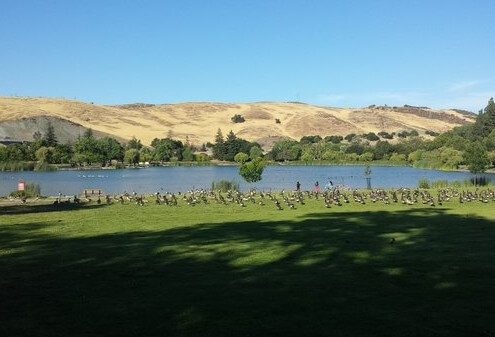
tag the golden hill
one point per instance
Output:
(200, 121)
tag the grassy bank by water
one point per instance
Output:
(216, 270)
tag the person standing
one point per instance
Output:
(317, 187)
(298, 186)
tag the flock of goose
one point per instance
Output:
(291, 199)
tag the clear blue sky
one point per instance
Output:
(341, 53)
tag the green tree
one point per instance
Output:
(476, 157)
(88, 148)
(241, 158)
(255, 152)
(188, 154)
(132, 156)
(50, 137)
(62, 154)
(350, 137)
(110, 149)
(45, 154)
(166, 149)
(145, 154)
(252, 170)
(134, 144)
(285, 150)
(219, 146)
(485, 122)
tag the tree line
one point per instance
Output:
(89, 150)
(470, 145)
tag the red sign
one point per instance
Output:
(20, 185)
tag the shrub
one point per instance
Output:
(423, 183)
(372, 137)
(385, 135)
(16, 166)
(238, 119)
(431, 133)
(119, 166)
(350, 137)
(31, 190)
(225, 185)
(334, 139)
(277, 121)
(44, 166)
(241, 157)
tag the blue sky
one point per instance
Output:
(341, 53)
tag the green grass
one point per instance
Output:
(214, 270)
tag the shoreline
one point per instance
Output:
(64, 167)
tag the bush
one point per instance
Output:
(119, 166)
(277, 121)
(241, 157)
(31, 190)
(44, 166)
(385, 135)
(225, 185)
(423, 183)
(371, 137)
(431, 133)
(350, 137)
(16, 166)
(237, 119)
(334, 139)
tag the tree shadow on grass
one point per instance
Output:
(43, 208)
(407, 273)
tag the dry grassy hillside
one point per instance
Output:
(200, 121)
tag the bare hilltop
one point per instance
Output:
(264, 122)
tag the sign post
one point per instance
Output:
(20, 185)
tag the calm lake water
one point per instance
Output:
(175, 179)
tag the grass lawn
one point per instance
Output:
(214, 270)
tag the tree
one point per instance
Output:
(285, 150)
(110, 149)
(310, 139)
(50, 137)
(62, 154)
(145, 154)
(134, 144)
(88, 148)
(219, 146)
(241, 158)
(252, 170)
(255, 152)
(485, 122)
(45, 154)
(350, 137)
(188, 154)
(237, 119)
(334, 139)
(167, 148)
(372, 137)
(476, 157)
(132, 156)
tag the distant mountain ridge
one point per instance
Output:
(264, 122)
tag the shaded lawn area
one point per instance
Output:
(213, 270)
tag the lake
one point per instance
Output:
(175, 179)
